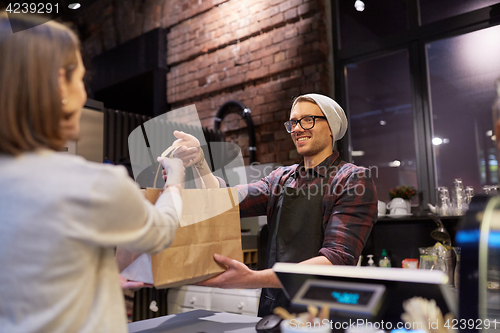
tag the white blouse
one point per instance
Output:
(60, 219)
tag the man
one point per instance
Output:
(319, 212)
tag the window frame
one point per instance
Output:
(414, 41)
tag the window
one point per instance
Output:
(427, 70)
(381, 120)
(462, 74)
(434, 10)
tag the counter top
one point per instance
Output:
(196, 321)
(419, 217)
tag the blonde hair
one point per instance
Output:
(30, 98)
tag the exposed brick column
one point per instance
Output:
(262, 53)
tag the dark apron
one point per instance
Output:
(295, 234)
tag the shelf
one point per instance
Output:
(402, 237)
(415, 217)
(251, 258)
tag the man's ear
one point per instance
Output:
(63, 84)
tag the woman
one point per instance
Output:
(60, 216)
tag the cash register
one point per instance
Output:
(363, 294)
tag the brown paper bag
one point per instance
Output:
(190, 257)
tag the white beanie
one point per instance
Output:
(334, 114)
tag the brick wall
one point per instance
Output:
(260, 52)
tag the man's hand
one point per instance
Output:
(189, 148)
(127, 284)
(237, 275)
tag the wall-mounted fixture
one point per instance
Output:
(236, 107)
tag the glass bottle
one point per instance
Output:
(384, 261)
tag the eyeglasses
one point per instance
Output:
(306, 123)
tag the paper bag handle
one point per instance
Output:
(203, 186)
(167, 153)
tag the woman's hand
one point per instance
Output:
(127, 284)
(175, 169)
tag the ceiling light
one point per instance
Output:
(489, 133)
(383, 122)
(74, 5)
(395, 164)
(359, 5)
(437, 141)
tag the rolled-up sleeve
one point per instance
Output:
(254, 198)
(353, 205)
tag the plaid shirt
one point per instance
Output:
(349, 203)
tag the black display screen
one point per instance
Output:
(338, 295)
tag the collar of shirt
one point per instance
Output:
(320, 170)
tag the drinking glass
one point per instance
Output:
(469, 193)
(490, 189)
(443, 204)
(458, 197)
